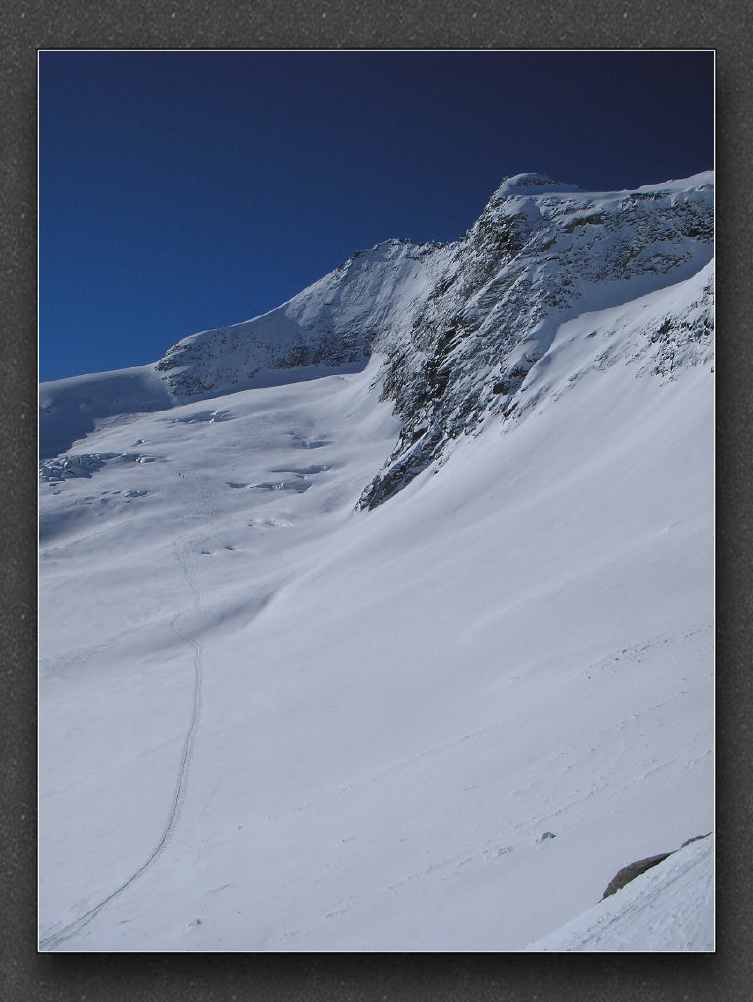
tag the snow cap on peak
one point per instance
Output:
(531, 183)
(389, 248)
(394, 243)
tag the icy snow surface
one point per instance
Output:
(269, 721)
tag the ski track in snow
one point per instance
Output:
(54, 939)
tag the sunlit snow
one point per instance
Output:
(269, 721)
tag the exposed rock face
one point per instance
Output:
(540, 254)
(633, 870)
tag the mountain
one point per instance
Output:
(330, 327)
(384, 621)
(540, 254)
(461, 324)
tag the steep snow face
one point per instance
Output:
(540, 254)
(655, 336)
(329, 327)
(669, 908)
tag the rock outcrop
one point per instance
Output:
(633, 870)
(539, 255)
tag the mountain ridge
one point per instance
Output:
(462, 325)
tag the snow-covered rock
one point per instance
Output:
(329, 327)
(540, 254)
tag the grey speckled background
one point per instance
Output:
(26, 26)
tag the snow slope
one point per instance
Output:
(328, 328)
(332, 324)
(670, 908)
(272, 721)
(71, 408)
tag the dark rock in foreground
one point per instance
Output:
(633, 870)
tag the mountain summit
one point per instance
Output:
(532, 183)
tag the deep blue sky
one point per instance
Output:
(180, 191)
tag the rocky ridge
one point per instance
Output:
(465, 330)
(540, 254)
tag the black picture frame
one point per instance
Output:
(727, 974)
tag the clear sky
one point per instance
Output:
(181, 191)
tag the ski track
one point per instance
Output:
(54, 939)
